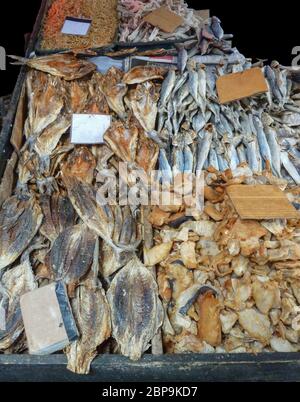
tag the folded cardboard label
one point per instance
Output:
(76, 26)
(261, 202)
(48, 319)
(232, 87)
(89, 128)
(164, 19)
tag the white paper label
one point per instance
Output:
(2, 318)
(76, 26)
(89, 128)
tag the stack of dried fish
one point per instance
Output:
(133, 28)
(54, 220)
(199, 132)
(227, 285)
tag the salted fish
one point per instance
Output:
(66, 66)
(92, 315)
(114, 90)
(137, 312)
(15, 283)
(20, 220)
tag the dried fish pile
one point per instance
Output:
(227, 285)
(51, 225)
(222, 284)
(133, 28)
(199, 132)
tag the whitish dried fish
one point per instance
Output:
(266, 296)
(144, 105)
(188, 254)
(92, 315)
(157, 254)
(114, 90)
(137, 75)
(256, 325)
(71, 254)
(66, 66)
(134, 327)
(20, 220)
(209, 324)
(15, 282)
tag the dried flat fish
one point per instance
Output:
(143, 102)
(48, 141)
(137, 75)
(71, 254)
(58, 214)
(66, 66)
(257, 325)
(146, 154)
(137, 313)
(92, 315)
(123, 140)
(20, 219)
(15, 282)
(114, 90)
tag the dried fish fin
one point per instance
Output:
(137, 312)
(92, 315)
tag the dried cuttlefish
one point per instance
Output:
(92, 314)
(66, 66)
(138, 75)
(143, 101)
(58, 213)
(15, 282)
(137, 312)
(114, 89)
(20, 219)
(71, 254)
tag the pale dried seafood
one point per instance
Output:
(136, 310)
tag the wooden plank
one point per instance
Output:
(180, 368)
(261, 202)
(232, 87)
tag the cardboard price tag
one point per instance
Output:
(89, 128)
(164, 19)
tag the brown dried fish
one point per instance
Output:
(137, 312)
(78, 96)
(66, 66)
(58, 214)
(48, 141)
(92, 315)
(15, 282)
(209, 324)
(143, 101)
(146, 154)
(139, 74)
(157, 254)
(71, 254)
(123, 140)
(114, 90)
(20, 219)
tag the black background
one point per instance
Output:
(269, 32)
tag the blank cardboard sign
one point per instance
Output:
(232, 87)
(261, 202)
(164, 19)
